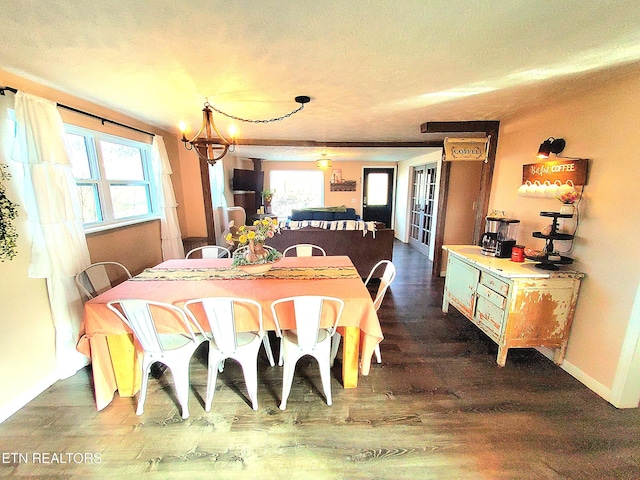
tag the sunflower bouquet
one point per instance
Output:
(253, 238)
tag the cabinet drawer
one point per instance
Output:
(495, 298)
(489, 317)
(494, 284)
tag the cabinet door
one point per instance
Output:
(460, 285)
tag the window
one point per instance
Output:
(113, 176)
(295, 189)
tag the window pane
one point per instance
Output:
(129, 200)
(296, 189)
(121, 162)
(377, 188)
(79, 157)
(89, 202)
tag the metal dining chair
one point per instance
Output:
(99, 277)
(226, 342)
(304, 250)
(173, 350)
(388, 276)
(307, 338)
(210, 251)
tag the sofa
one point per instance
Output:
(364, 248)
(326, 214)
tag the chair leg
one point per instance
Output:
(212, 376)
(325, 375)
(335, 344)
(287, 376)
(377, 352)
(280, 358)
(250, 371)
(267, 347)
(180, 373)
(142, 396)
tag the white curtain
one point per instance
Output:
(172, 246)
(219, 201)
(59, 249)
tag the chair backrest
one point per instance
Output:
(94, 279)
(211, 251)
(307, 311)
(237, 214)
(387, 278)
(245, 247)
(137, 314)
(220, 313)
(304, 250)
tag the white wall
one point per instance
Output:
(602, 125)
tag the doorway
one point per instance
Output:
(377, 195)
(423, 208)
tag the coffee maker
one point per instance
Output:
(499, 236)
(490, 237)
(506, 238)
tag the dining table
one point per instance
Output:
(113, 351)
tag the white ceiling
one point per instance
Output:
(375, 70)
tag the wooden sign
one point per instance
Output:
(563, 170)
(465, 149)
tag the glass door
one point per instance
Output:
(423, 193)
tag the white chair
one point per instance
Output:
(387, 278)
(246, 247)
(304, 250)
(98, 277)
(173, 350)
(211, 251)
(237, 214)
(307, 338)
(225, 342)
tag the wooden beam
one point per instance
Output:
(313, 143)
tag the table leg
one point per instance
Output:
(350, 356)
(123, 360)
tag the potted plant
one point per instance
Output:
(8, 213)
(267, 195)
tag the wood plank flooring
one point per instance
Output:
(438, 407)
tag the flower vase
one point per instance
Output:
(567, 209)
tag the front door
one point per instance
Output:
(377, 195)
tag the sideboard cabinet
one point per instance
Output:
(515, 304)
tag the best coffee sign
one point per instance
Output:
(563, 170)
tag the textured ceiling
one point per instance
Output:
(375, 70)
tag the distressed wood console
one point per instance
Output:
(515, 304)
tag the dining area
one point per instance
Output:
(191, 298)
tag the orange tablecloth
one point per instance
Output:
(99, 322)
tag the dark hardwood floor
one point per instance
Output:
(438, 407)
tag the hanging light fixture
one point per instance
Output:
(551, 145)
(323, 162)
(211, 145)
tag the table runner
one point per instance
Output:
(228, 273)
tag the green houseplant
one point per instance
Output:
(8, 213)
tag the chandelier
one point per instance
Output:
(211, 145)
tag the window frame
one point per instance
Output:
(321, 185)
(102, 186)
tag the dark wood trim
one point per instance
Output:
(489, 128)
(208, 207)
(313, 143)
(445, 172)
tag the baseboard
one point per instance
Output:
(24, 398)
(588, 381)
